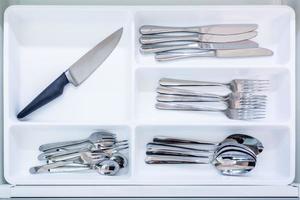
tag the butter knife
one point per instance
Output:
(76, 74)
(232, 53)
(217, 29)
(199, 45)
(153, 39)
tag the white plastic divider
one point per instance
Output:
(120, 95)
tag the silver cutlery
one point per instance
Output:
(91, 148)
(199, 45)
(235, 155)
(154, 148)
(231, 100)
(229, 53)
(101, 152)
(235, 85)
(253, 143)
(236, 114)
(153, 39)
(106, 167)
(95, 137)
(231, 163)
(223, 29)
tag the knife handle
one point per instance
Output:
(150, 29)
(153, 39)
(169, 56)
(54, 90)
(161, 48)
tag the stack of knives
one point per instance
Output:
(220, 40)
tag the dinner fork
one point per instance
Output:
(236, 85)
(236, 114)
(232, 100)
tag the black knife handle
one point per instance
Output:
(54, 90)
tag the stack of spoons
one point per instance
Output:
(220, 40)
(236, 155)
(100, 152)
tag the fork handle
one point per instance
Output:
(177, 91)
(181, 82)
(182, 98)
(186, 107)
(57, 145)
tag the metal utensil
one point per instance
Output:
(228, 163)
(95, 137)
(199, 45)
(84, 157)
(120, 159)
(230, 53)
(253, 143)
(236, 114)
(153, 39)
(223, 29)
(76, 74)
(167, 149)
(61, 155)
(236, 85)
(108, 167)
(232, 100)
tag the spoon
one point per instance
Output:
(93, 138)
(228, 163)
(154, 148)
(234, 163)
(120, 159)
(108, 167)
(254, 144)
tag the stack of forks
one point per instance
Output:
(101, 152)
(245, 101)
(221, 40)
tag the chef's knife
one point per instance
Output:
(76, 74)
(199, 45)
(232, 53)
(217, 29)
(152, 39)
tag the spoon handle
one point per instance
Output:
(160, 159)
(176, 140)
(167, 152)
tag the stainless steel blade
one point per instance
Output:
(229, 45)
(89, 62)
(227, 29)
(243, 52)
(227, 38)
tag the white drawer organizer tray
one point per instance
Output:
(40, 42)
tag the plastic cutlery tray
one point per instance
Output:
(40, 42)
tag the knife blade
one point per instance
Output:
(232, 53)
(152, 39)
(199, 45)
(76, 73)
(217, 29)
